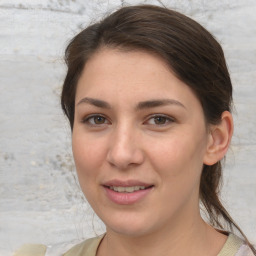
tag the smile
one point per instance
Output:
(127, 192)
(127, 189)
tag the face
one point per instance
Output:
(139, 142)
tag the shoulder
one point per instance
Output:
(244, 250)
(235, 246)
(86, 248)
(31, 250)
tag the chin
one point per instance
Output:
(133, 226)
(131, 231)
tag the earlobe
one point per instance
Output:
(219, 139)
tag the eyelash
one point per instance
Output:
(87, 119)
(167, 119)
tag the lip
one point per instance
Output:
(125, 183)
(124, 198)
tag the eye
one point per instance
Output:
(95, 120)
(159, 120)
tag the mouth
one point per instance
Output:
(128, 192)
(131, 189)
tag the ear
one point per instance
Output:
(219, 139)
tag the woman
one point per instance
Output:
(148, 97)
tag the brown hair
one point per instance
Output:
(191, 52)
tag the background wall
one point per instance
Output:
(40, 201)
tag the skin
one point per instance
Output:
(117, 135)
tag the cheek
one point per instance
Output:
(179, 164)
(86, 149)
(88, 157)
(179, 155)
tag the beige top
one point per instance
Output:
(234, 246)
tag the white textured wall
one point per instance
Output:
(39, 200)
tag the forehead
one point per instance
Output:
(109, 60)
(136, 75)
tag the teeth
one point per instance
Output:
(127, 189)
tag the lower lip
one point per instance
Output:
(127, 198)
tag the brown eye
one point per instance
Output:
(99, 120)
(95, 120)
(160, 120)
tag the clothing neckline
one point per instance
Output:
(230, 247)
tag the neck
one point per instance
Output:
(191, 238)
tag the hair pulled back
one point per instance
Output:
(192, 54)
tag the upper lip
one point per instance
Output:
(125, 183)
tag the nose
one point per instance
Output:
(125, 148)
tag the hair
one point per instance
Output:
(193, 55)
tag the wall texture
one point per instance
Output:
(40, 201)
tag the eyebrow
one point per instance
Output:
(158, 103)
(141, 105)
(95, 102)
